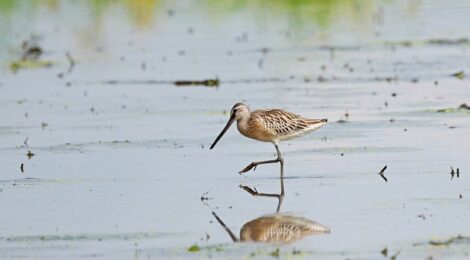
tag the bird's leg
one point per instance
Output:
(279, 158)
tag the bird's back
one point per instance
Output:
(284, 125)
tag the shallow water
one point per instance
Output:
(121, 156)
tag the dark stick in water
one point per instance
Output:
(382, 173)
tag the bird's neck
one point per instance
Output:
(242, 124)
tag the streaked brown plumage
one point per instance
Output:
(273, 125)
(280, 228)
(276, 125)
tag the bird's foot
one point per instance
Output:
(249, 167)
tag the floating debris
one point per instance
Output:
(31, 52)
(296, 251)
(204, 196)
(71, 62)
(120, 142)
(321, 79)
(394, 257)
(464, 106)
(459, 75)
(382, 173)
(207, 82)
(22, 167)
(448, 41)
(275, 253)
(454, 173)
(30, 154)
(384, 252)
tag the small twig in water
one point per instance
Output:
(71, 62)
(204, 196)
(29, 154)
(382, 173)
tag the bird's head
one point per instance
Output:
(238, 112)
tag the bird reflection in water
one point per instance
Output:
(277, 227)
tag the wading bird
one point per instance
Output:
(273, 125)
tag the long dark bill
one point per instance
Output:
(229, 123)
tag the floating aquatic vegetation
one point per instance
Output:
(207, 82)
(462, 108)
(15, 66)
(459, 75)
(194, 248)
(276, 252)
(450, 241)
(448, 41)
(30, 58)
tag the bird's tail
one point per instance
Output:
(314, 124)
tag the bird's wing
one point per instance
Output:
(283, 122)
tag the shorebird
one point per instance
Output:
(272, 125)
